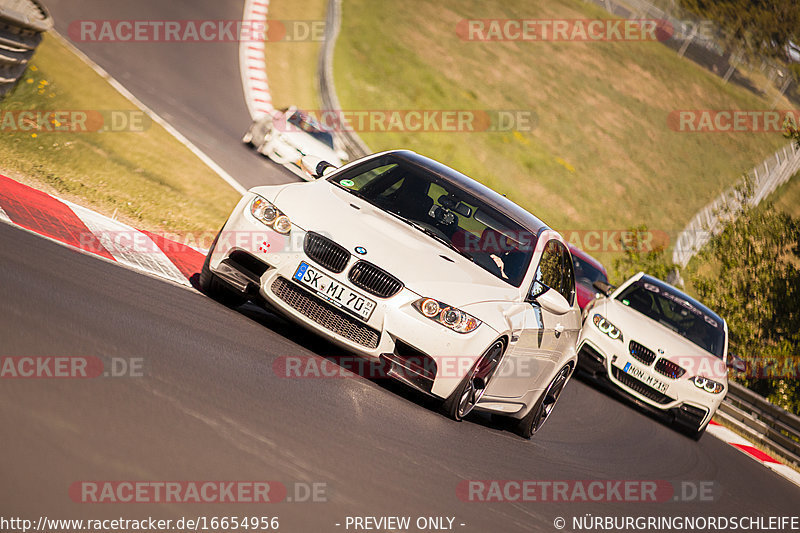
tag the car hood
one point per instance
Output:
(681, 351)
(307, 144)
(408, 254)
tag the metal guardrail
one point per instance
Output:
(766, 424)
(22, 23)
(350, 140)
(773, 172)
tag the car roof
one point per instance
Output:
(588, 258)
(666, 286)
(476, 189)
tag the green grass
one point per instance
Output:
(787, 196)
(292, 66)
(147, 178)
(601, 155)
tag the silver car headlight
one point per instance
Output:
(448, 316)
(270, 215)
(607, 327)
(708, 385)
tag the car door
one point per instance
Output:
(570, 322)
(532, 359)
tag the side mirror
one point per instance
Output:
(553, 301)
(603, 288)
(314, 166)
(537, 290)
(737, 363)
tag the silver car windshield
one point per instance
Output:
(309, 126)
(448, 214)
(674, 311)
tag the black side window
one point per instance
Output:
(555, 270)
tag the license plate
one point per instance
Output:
(331, 290)
(660, 386)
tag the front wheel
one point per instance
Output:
(471, 389)
(533, 421)
(212, 286)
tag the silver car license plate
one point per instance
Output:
(331, 290)
(660, 386)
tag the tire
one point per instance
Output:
(212, 286)
(471, 389)
(533, 421)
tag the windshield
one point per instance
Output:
(673, 310)
(312, 128)
(446, 213)
(586, 273)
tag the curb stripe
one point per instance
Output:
(188, 260)
(251, 58)
(41, 213)
(756, 453)
(89, 231)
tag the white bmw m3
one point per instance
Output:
(662, 347)
(452, 288)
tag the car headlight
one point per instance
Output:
(708, 385)
(607, 327)
(448, 316)
(270, 215)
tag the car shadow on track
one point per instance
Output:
(601, 384)
(325, 349)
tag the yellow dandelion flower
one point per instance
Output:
(29, 80)
(34, 68)
(34, 135)
(564, 164)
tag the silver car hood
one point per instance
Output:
(655, 336)
(408, 254)
(306, 143)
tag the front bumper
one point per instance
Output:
(253, 259)
(682, 402)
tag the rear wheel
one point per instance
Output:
(471, 389)
(214, 287)
(534, 420)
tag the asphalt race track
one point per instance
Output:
(210, 407)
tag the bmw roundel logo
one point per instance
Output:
(660, 351)
(360, 250)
